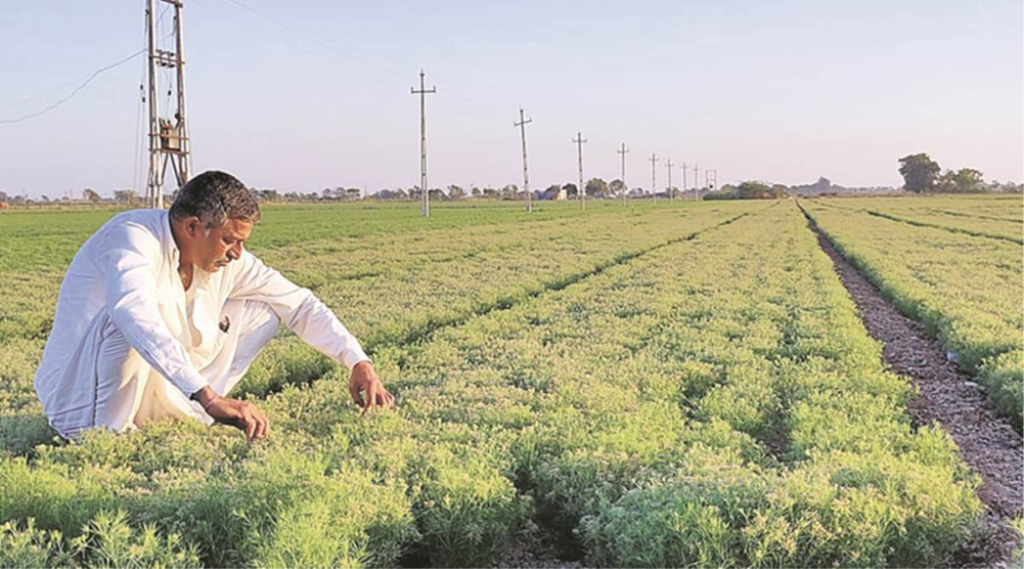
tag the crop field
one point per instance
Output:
(681, 384)
(960, 275)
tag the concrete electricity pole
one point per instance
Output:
(668, 166)
(168, 141)
(526, 172)
(654, 187)
(625, 187)
(423, 92)
(684, 181)
(579, 145)
(696, 181)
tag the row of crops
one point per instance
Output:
(993, 217)
(690, 385)
(389, 288)
(960, 274)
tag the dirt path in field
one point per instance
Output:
(988, 443)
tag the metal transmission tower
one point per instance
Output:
(654, 188)
(423, 92)
(168, 140)
(668, 166)
(710, 182)
(625, 187)
(526, 172)
(579, 140)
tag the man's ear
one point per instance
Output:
(194, 226)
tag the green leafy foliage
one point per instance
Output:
(663, 387)
(964, 285)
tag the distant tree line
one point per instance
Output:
(749, 190)
(923, 175)
(920, 174)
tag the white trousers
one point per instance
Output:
(129, 393)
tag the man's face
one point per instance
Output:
(217, 247)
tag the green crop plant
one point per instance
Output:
(967, 290)
(682, 386)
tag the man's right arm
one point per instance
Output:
(131, 298)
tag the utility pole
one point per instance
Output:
(168, 141)
(625, 188)
(582, 191)
(423, 92)
(712, 176)
(526, 172)
(684, 181)
(668, 166)
(653, 160)
(696, 181)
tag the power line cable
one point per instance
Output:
(58, 87)
(76, 91)
(398, 69)
(265, 33)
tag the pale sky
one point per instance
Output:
(304, 95)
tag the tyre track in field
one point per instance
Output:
(987, 442)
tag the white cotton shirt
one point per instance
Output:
(127, 273)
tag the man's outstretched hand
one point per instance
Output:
(364, 380)
(242, 415)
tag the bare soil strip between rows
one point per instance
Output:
(988, 443)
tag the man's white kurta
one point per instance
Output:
(125, 280)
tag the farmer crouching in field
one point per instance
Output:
(162, 312)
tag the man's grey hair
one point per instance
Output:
(215, 197)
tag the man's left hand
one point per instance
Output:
(364, 380)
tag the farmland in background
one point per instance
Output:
(658, 385)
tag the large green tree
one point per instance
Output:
(968, 180)
(597, 187)
(919, 172)
(754, 190)
(126, 197)
(456, 192)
